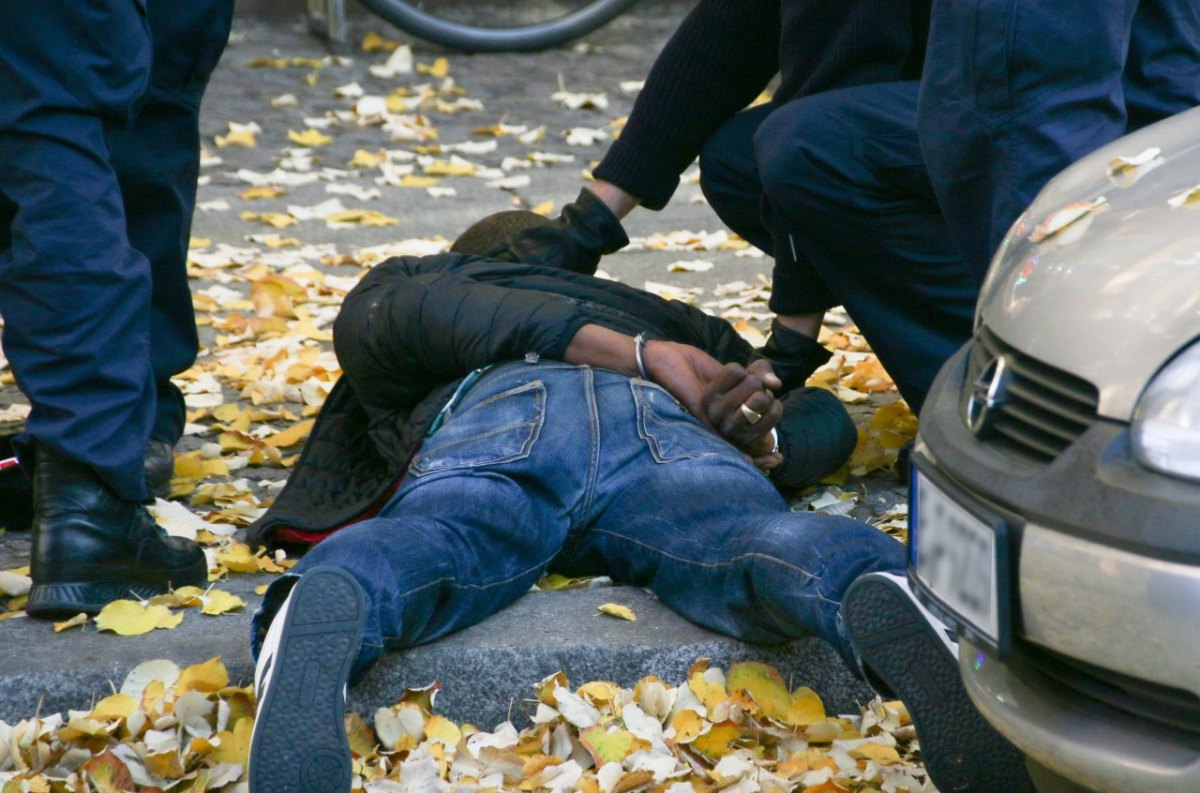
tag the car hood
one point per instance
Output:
(1101, 275)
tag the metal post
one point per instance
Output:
(328, 18)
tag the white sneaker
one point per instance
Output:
(299, 741)
(914, 654)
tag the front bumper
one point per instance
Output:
(1108, 574)
(1077, 738)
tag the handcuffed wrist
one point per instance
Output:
(639, 347)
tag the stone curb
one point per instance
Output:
(486, 672)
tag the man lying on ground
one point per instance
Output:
(499, 419)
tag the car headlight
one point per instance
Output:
(1166, 427)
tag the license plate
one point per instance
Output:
(960, 559)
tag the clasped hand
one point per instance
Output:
(737, 402)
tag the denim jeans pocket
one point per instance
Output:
(501, 428)
(668, 429)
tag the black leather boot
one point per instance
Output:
(160, 467)
(91, 547)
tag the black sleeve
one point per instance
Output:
(723, 55)
(584, 231)
(413, 323)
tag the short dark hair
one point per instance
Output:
(490, 233)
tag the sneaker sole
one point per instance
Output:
(962, 752)
(299, 743)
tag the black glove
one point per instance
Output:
(816, 437)
(575, 241)
(793, 355)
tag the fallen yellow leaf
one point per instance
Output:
(77, 621)
(220, 602)
(292, 435)
(280, 220)
(206, 677)
(373, 42)
(368, 159)
(605, 746)
(439, 68)
(805, 709)
(310, 138)
(617, 610)
(130, 618)
(764, 684)
(243, 138)
(876, 752)
(413, 181)
(256, 193)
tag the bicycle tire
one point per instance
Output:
(469, 38)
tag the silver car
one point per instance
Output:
(1056, 486)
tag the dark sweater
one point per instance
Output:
(726, 52)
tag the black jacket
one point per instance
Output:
(415, 326)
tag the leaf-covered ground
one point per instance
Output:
(741, 731)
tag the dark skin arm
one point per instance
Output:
(710, 391)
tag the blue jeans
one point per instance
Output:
(584, 471)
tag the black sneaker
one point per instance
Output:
(914, 655)
(299, 743)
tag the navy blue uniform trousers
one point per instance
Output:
(1016, 90)
(99, 155)
(834, 187)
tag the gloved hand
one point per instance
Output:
(582, 233)
(793, 355)
(816, 437)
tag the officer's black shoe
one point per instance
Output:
(91, 547)
(160, 467)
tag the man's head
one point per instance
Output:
(486, 235)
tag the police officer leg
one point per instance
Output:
(731, 182)
(75, 298)
(1161, 78)
(843, 173)
(157, 160)
(1007, 102)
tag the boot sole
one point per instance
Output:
(962, 752)
(89, 597)
(299, 743)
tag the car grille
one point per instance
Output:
(1166, 705)
(1046, 408)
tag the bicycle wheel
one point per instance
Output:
(498, 25)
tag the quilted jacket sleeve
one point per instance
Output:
(414, 323)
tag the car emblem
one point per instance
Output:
(989, 393)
